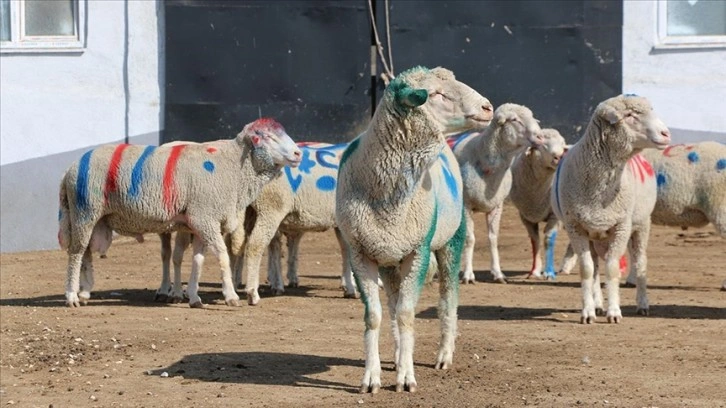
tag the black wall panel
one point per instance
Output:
(306, 63)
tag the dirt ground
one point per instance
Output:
(519, 344)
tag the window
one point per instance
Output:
(691, 23)
(41, 25)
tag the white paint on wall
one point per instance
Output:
(687, 87)
(54, 103)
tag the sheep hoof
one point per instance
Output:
(441, 365)
(83, 300)
(500, 280)
(642, 312)
(411, 388)
(103, 256)
(373, 388)
(468, 281)
(614, 319)
(293, 285)
(587, 320)
(277, 292)
(232, 302)
(347, 295)
(599, 311)
(197, 305)
(629, 285)
(399, 387)
(161, 298)
(253, 299)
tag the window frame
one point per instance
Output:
(21, 43)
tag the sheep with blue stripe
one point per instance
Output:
(135, 190)
(604, 193)
(399, 198)
(485, 158)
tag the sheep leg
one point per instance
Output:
(264, 230)
(639, 263)
(550, 233)
(274, 265)
(596, 289)
(413, 271)
(216, 242)
(494, 217)
(616, 247)
(533, 232)
(346, 276)
(365, 272)
(581, 245)
(162, 294)
(392, 288)
(448, 259)
(86, 277)
(569, 261)
(80, 238)
(293, 247)
(468, 275)
(237, 262)
(198, 249)
(181, 243)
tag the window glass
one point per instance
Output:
(696, 17)
(4, 20)
(49, 17)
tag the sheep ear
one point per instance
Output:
(567, 147)
(612, 115)
(412, 97)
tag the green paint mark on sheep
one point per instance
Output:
(348, 151)
(425, 250)
(456, 245)
(363, 295)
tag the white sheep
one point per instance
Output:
(532, 174)
(691, 182)
(135, 190)
(604, 192)
(399, 198)
(485, 158)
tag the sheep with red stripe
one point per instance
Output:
(604, 193)
(135, 190)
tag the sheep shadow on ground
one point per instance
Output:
(491, 312)
(261, 368)
(486, 275)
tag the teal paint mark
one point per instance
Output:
(363, 295)
(84, 167)
(557, 185)
(693, 157)
(549, 271)
(456, 246)
(325, 183)
(449, 176)
(208, 166)
(60, 214)
(425, 250)
(348, 151)
(721, 164)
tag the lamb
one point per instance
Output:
(399, 197)
(691, 181)
(301, 201)
(604, 192)
(485, 159)
(532, 174)
(135, 190)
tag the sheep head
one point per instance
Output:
(268, 135)
(552, 148)
(453, 106)
(633, 118)
(517, 126)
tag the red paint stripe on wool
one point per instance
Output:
(112, 174)
(169, 189)
(633, 166)
(645, 165)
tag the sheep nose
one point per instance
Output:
(297, 154)
(666, 133)
(487, 107)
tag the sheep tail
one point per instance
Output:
(64, 220)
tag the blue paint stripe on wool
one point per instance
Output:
(660, 179)
(306, 164)
(84, 167)
(461, 139)
(326, 183)
(320, 156)
(550, 255)
(137, 173)
(448, 176)
(721, 164)
(208, 166)
(693, 157)
(557, 185)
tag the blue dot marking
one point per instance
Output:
(721, 164)
(209, 166)
(325, 183)
(660, 179)
(693, 157)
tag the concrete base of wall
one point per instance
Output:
(29, 199)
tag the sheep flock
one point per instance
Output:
(400, 198)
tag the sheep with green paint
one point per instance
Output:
(135, 190)
(532, 174)
(399, 198)
(604, 193)
(485, 158)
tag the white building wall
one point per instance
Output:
(54, 106)
(687, 87)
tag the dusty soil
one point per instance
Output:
(519, 344)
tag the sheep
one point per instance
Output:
(691, 185)
(399, 197)
(301, 201)
(485, 158)
(135, 190)
(604, 192)
(532, 174)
